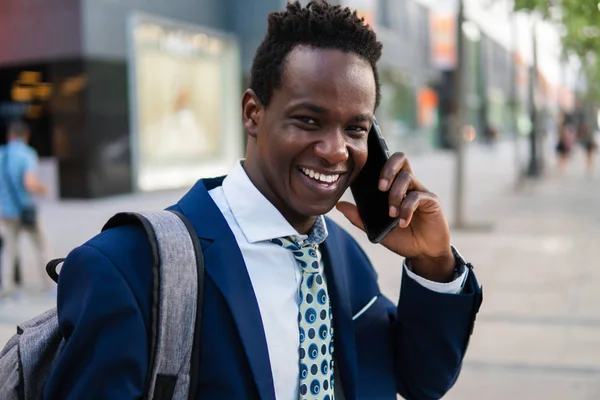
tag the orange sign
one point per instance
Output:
(443, 40)
(427, 103)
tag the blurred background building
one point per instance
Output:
(143, 95)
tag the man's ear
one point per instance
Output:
(252, 113)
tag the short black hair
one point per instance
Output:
(319, 25)
(18, 129)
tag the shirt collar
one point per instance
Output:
(257, 217)
(16, 142)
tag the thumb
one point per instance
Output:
(350, 211)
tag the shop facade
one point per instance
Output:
(126, 96)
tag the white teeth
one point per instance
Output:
(320, 177)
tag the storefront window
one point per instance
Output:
(186, 81)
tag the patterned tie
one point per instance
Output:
(314, 323)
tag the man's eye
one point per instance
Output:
(306, 120)
(357, 130)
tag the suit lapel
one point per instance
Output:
(344, 343)
(225, 266)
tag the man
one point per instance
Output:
(292, 306)
(19, 185)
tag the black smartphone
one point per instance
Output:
(373, 204)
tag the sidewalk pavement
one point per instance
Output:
(538, 333)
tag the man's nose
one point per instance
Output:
(333, 147)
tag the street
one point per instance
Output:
(538, 333)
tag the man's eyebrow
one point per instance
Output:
(310, 106)
(363, 118)
(367, 117)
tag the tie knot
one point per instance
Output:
(308, 256)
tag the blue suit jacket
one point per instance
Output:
(104, 293)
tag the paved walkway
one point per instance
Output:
(538, 333)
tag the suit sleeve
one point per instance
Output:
(105, 355)
(431, 331)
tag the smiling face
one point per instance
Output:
(310, 142)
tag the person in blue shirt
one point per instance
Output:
(19, 184)
(292, 307)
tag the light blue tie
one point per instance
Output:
(314, 324)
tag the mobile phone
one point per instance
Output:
(373, 204)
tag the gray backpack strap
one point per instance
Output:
(177, 303)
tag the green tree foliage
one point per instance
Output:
(580, 22)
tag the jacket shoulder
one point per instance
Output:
(103, 302)
(125, 249)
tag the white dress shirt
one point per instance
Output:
(275, 274)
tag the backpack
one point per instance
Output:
(27, 359)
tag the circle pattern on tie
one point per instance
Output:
(313, 351)
(322, 297)
(324, 368)
(311, 315)
(323, 331)
(303, 390)
(303, 371)
(315, 387)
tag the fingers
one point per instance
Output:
(406, 193)
(405, 183)
(397, 162)
(413, 201)
(350, 211)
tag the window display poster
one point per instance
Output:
(184, 82)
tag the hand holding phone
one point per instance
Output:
(405, 217)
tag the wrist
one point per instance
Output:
(434, 268)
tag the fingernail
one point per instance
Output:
(383, 184)
(402, 222)
(393, 211)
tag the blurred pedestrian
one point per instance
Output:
(588, 142)
(18, 184)
(564, 145)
